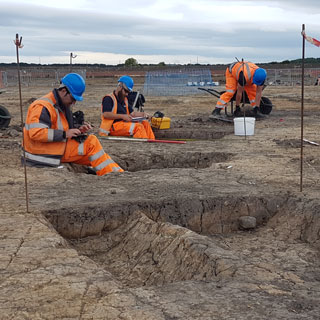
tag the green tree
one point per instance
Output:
(130, 62)
(161, 64)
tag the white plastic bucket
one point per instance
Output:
(244, 126)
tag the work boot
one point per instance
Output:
(216, 111)
(237, 112)
(216, 114)
(257, 113)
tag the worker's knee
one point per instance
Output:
(93, 140)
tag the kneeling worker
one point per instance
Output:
(49, 131)
(242, 76)
(117, 116)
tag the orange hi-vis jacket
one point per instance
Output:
(248, 69)
(106, 124)
(37, 134)
(45, 144)
(138, 130)
(232, 77)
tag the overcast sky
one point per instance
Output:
(152, 31)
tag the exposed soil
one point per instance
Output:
(216, 228)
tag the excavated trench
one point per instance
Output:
(161, 156)
(161, 159)
(154, 243)
(164, 240)
(195, 127)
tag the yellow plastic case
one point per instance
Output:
(160, 123)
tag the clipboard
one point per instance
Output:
(138, 119)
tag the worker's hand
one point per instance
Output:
(140, 114)
(85, 127)
(146, 115)
(126, 117)
(72, 133)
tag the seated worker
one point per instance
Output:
(242, 76)
(116, 116)
(49, 135)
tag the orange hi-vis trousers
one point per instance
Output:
(231, 88)
(90, 153)
(135, 129)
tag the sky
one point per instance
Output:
(153, 31)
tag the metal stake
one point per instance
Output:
(243, 102)
(18, 44)
(302, 109)
(72, 57)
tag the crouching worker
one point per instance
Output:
(51, 138)
(242, 76)
(117, 118)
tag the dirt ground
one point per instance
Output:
(216, 228)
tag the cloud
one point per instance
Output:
(207, 31)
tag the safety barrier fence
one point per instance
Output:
(35, 76)
(177, 82)
(292, 77)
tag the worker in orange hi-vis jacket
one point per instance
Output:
(50, 135)
(242, 76)
(117, 117)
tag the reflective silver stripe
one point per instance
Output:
(46, 99)
(41, 126)
(238, 71)
(104, 131)
(51, 131)
(247, 68)
(253, 100)
(230, 90)
(231, 66)
(81, 149)
(42, 159)
(35, 125)
(60, 126)
(116, 169)
(96, 155)
(131, 128)
(222, 101)
(103, 164)
(50, 134)
(248, 71)
(114, 102)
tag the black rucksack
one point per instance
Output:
(132, 96)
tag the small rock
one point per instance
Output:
(113, 191)
(13, 133)
(247, 222)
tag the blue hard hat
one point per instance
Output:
(127, 81)
(259, 76)
(75, 84)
